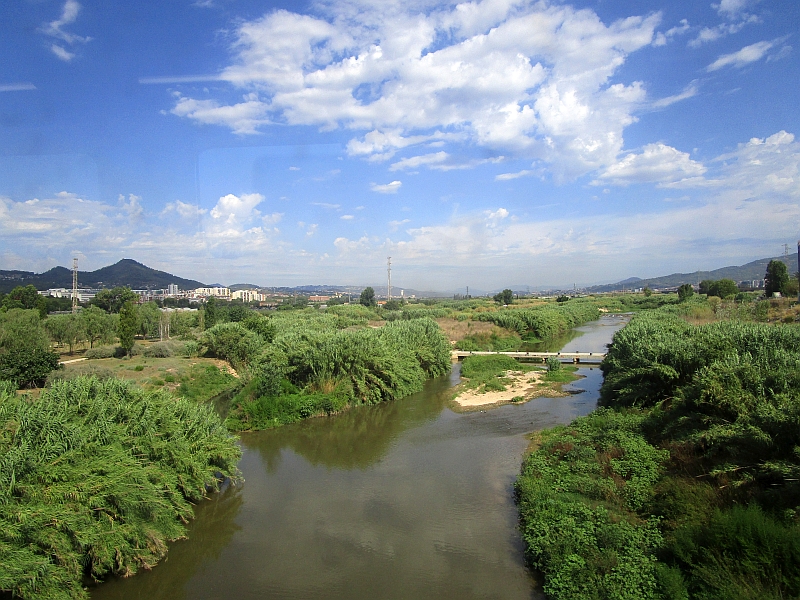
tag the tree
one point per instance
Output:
(26, 297)
(149, 319)
(504, 297)
(96, 324)
(647, 292)
(25, 355)
(776, 278)
(392, 305)
(127, 326)
(113, 299)
(210, 313)
(685, 292)
(721, 288)
(367, 297)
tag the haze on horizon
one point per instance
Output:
(486, 143)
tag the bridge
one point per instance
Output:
(574, 357)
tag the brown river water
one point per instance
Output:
(408, 499)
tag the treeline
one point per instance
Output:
(96, 477)
(687, 483)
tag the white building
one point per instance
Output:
(217, 292)
(248, 296)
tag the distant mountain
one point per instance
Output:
(750, 271)
(126, 272)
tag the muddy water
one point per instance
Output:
(404, 500)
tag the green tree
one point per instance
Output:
(648, 292)
(66, 329)
(149, 319)
(776, 278)
(721, 288)
(97, 324)
(25, 354)
(392, 305)
(685, 292)
(367, 297)
(504, 297)
(210, 313)
(127, 326)
(26, 297)
(113, 299)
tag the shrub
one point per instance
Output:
(553, 364)
(234, 343)
(95, 478)
(105, 352)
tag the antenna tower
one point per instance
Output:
(74, 285)
(389, 281)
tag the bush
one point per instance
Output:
(234, 343)
(95, 478)
(553, 364)
(104, 352)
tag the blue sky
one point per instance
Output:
(487, 143)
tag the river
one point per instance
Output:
(407, 499)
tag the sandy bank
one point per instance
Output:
(523, 386)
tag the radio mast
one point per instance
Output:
(74, 285)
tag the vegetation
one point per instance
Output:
(776, 278)
(95, 478)
(322, 369)
(25, 355)
(504, 297)
(126, 328)
(543, 321)
(722, 288)
(685, 291)
(367, 297)
(686, 485)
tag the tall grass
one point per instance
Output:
(95, 478)
(543, 321)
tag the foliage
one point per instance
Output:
(95, 478)
(25, 355)
(233, 342)
(203, 382)
(504, 297)
(321, 369)
(211, 312)
(578, 494)
(553, 364)
(392, 305)
(490, 342)
(127, 325)
(776, 278)
(543, 321)
(66, 329)
(685, 292)
(26, 297)
(722, 288)
(105, 352)
(367, 297)
(149, 318)
(97, 325)
(487, 373)
(112, 300)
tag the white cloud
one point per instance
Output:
(239, 209)
(529, 77)
(17, 87)
(273, 218)
(662, 38)
(387, 188)
(347, 217)
(327, 205)
(312, 229)
(657, 163)
(243, 118)
(688, 92)
(132, 205)
(732, 9)
(415, 162)
(184, 209)
(55, 29)
(509, 176)
(745, 56)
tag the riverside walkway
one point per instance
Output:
(575, 357)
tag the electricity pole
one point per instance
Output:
(389, 281)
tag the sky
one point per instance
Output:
(490, 144)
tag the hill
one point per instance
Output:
(749, 271)
(126, 272)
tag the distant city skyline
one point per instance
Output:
(486, 143)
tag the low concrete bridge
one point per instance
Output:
(575, 357)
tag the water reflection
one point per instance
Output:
(211, 531)
(354, 439)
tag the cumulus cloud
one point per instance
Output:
(56, 29)
(745, 56)
(395, 225)
(347, 217)
(132, 206)
(387, 188)
(657, 163)
(184, 209)
(532, 77)
(232, 208)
